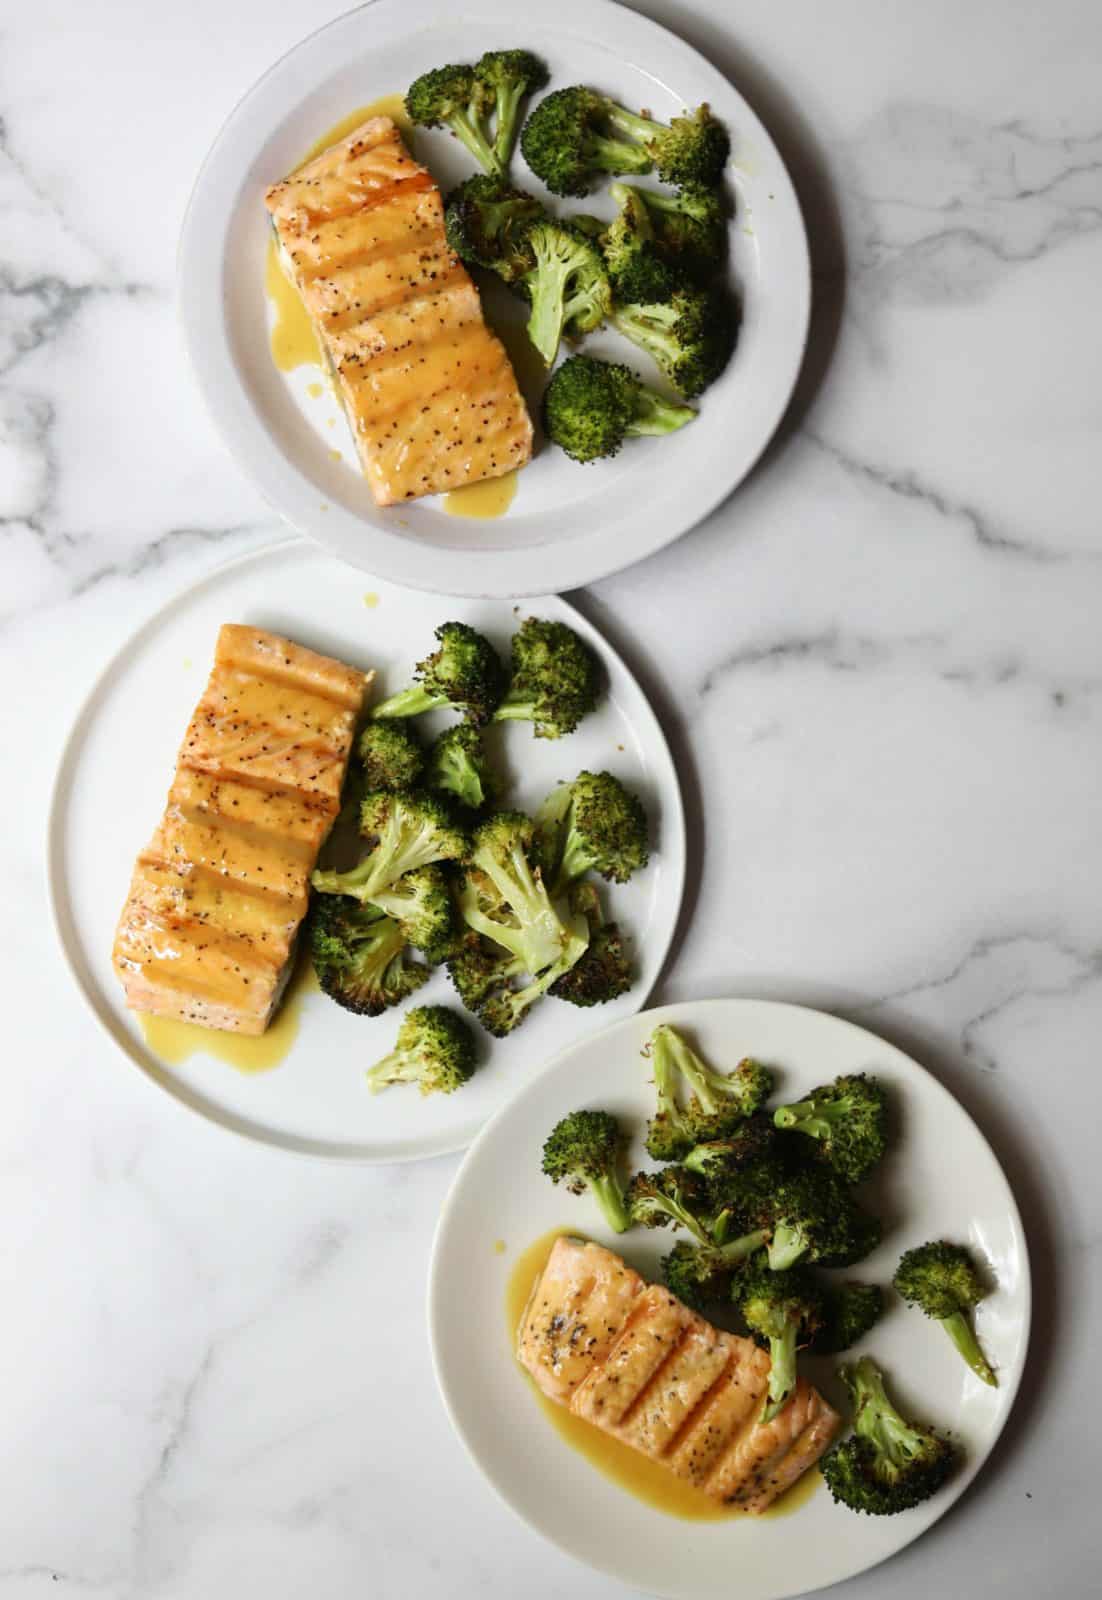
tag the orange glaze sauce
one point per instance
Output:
(173, 1042)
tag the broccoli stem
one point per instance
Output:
(737, 1250)
(506, 105)
(616, 155)
(356, 882)
(961, 1332)
(407, 703)
(548, 287)
(631, 123)
(400, 1066)
(646, 330)
(803, 1117)
(654, 415)
(782, 1370)
(786, 1247)
(463, 126)
(607, 1193)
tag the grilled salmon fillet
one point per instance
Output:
(428, 389)
(632, 1360)
(208, 929)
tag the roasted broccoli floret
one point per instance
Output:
(718, 1102)
(636, 266)
(690, 336)
(392, 756)
(811, 1216)
(457, 766)
(590, 407)
(719, 1161)
(359, 956)
(604, 971)
(509, 75)
(421, 904)
(655, 1199)
(534, 932)
(505, 1008)
(455, 97)
(463, 673)
(581, 1151)
(782, 1310)
(849, 1311)
(434, 1049)
(689, 227)
(594, 824)
(566, 142)
(555, 682)
(566, 286)
(576, 136)
(888, 1464)
(487, 222)
(847, 1118)
(477, 967)
(700, 1274)
(942, 1281)
(412, 830)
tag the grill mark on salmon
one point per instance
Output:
(216, 899)
(635, 1362)
(429, 391)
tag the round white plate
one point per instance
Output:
(569, 524)
(110, 792)
(942, 1180)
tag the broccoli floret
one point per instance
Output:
(696, 1276)
(581, 1151)
(537, 934)
(434, 1049)
(555, 682)
(478, 967)
(693, 148)
(456, 97)
(811, 1216)
(636, 267)
(506, 1008)
(604, 971)
(590, 407)
(888, 1464)
(782, 1310)
(690, 336)
(942, 1281)
(463, 674)
(392, 756)
(412, 829)
(720, 1161)
(602, 828)
(509, 75)
(567, 285)
(689, 227)
(421, 904)
(849, 1311)
(566, 143)
(457, 766)
(655, 1199)
(488, 222)
(719, 1102)
(359, 956)
(848, 1118)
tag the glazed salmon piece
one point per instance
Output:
(216, 899)
(428, 390)
(635, 1362)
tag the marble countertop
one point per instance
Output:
(887, 712)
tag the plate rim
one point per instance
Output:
(681, 1012)
(60, 910)
(526, 570)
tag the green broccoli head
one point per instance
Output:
(604, 830)
(693, 150)
(690, 336)
(582, 1152)
(487, 222)
(477, 967)
(718, 1102)
(555, 682)
(421, 904)
(463, 674)
(590, 407)
(697, 1275)
(942, 1280)
(689, 228)
(455, 97)
(782, 1311)
(392, 756)
(811, 1216)
(457, 766)
(636, 266)
(850, 1310)
(673, 1195)
(567, 286)
(603, 973)
(848, 1120)
(434, 1049)
(719, 1161)
(889, 1464)
(411, 829)
(360, 956)
(567, 144)
(509, 75)
(501, 853)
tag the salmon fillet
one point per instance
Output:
(208, 930)
(429, 391)
(632, 1360)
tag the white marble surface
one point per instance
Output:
(881, 664)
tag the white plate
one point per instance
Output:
(110, 791)
(943, 1180)
(569, 524)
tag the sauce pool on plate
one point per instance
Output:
(647, 1480)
